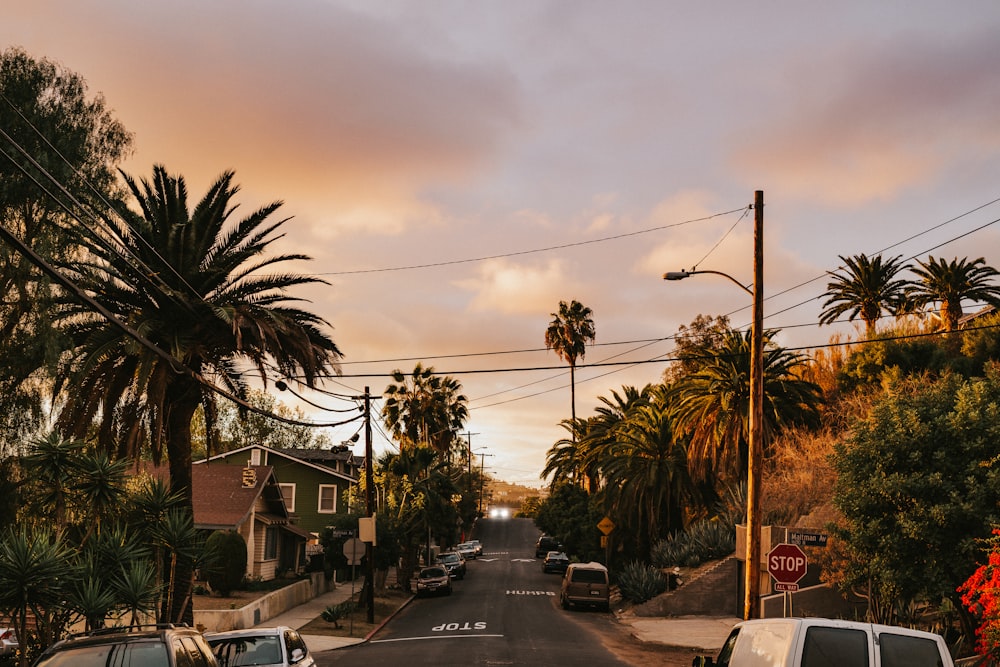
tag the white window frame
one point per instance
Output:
(290, 506)
(319, 501)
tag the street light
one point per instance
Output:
(751, 601)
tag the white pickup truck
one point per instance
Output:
(822, 642)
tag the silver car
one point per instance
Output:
(271, 647)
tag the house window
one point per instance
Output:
(288, 494)
(255, 457)
(327, 498)
(271, 543)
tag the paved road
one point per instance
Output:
(505, 612)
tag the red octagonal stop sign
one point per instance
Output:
(787, 564)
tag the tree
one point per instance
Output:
(193, 283)
(712, 405)
(918, 485)
(568, 334)
(424, 409)
(227, 564)
(695, 343)
(949, 283)
(46, 112)
(865, 288)
(564, 460)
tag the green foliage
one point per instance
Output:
(571, 515)
(703, 541)
(639, 582)
(335, 612)
(226, 560)
(918, 485)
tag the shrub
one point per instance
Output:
(639, 582)
(702, 541)
(226, 561)
(335, 612)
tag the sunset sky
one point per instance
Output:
(523, 152)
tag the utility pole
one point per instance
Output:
(370, 501)
(751, 603)
(482, 479)
(468, 458)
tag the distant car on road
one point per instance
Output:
(453, 562)
(274, 647)
(476, 546)
(432, 580)
(545, 544)
(555, 561)
(467, 549)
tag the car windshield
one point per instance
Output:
(148, 654)
(246, 650)
(448, 558)
(431, 572)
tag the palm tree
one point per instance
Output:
(949, 283)
(867, 288)
(563, 461)
(425, 408)
(712, 405)
(568, 334)
(192, 283)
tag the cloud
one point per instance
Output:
(506, 287)
(878, 119)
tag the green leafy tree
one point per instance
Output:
(712, 404)
(201, 287)
(865, 287)
(919, 486)
(695, 343)
(950, 283)
(571, 328)
(47, 116)
(571, 515)
(564, 460)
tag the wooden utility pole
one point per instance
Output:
(751, 603)
(370, 502)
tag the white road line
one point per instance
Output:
(415, 639)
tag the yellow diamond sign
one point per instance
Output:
(606, 525)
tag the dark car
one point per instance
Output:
(162, 645)
(432, 580)
(545, 544)
(555, 561)
(453, 562)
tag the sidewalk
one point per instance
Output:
(702, 634)
(307, 611)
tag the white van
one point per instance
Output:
(822, 642)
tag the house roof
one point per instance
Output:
(291, 455)
(224, 497)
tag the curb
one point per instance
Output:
(387, 619)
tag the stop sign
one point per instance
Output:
(787, 564)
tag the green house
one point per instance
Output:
(312, 481)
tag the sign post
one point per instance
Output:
(787, 564)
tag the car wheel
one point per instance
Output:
(565, 603)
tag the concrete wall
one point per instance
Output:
(262, 609)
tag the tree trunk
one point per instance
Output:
(183, 399)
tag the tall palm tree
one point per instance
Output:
(648, 483)
(564, 460)
(193, 282)
(866, 288)
(949, 283)
(425, 408)
(712, 404)
(568, 334)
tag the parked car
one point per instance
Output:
(433, 579)
(545, 544)
(467, 549)
(8, 641)
(586, 584)
(794, 642)
(163, 645)
(477, 546)
(453, 562)
(555, 561)
(274, 647)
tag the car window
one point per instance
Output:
(834, 647)
(153, 654)
(589, 577)
(181, 656)
(247, 650)
(727, 649)
(294, 641)
(908, 651)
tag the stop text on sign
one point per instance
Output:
(787, 563)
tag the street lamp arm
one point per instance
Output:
(681, 275)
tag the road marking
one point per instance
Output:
(415, 639)
(522, 560)
(487, 560)
(550, 593)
